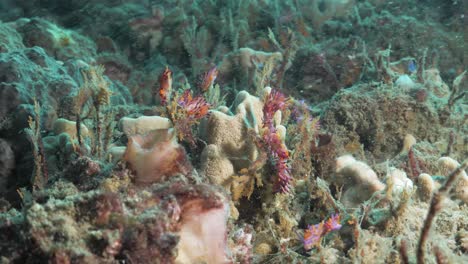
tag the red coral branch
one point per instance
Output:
(186, 112)
(413, 164)
(276, 101)
(416, 166)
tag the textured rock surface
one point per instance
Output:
(146, 225)
(60, 43)
(7, 164)
(30, 74)
(11, 39)
(378, 118)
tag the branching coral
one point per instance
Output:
(279, 154)
(318, 12)
(436, 206)
(34, 136)
(186, 111)
(198, 41)
(288, 50)
(183, 110)
(165, 86)
(256, 66)
(304, 139)
(95, 90)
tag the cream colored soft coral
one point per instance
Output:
(426, 186)
(446, 166)
(359, 181)
(434, 83)
(400, 181)
(408, 143)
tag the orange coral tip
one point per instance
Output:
(165, 85)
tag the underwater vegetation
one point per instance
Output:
(306, 131)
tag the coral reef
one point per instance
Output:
(7, 164)
(233, 131)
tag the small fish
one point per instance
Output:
(412, 66)
(208, 79)
(165, 85)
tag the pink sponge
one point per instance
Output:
(155, 156)
(203, 233)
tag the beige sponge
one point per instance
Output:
(359, 181)
(230, 148)
(143, 124)
(63, 125)
(216, 165)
